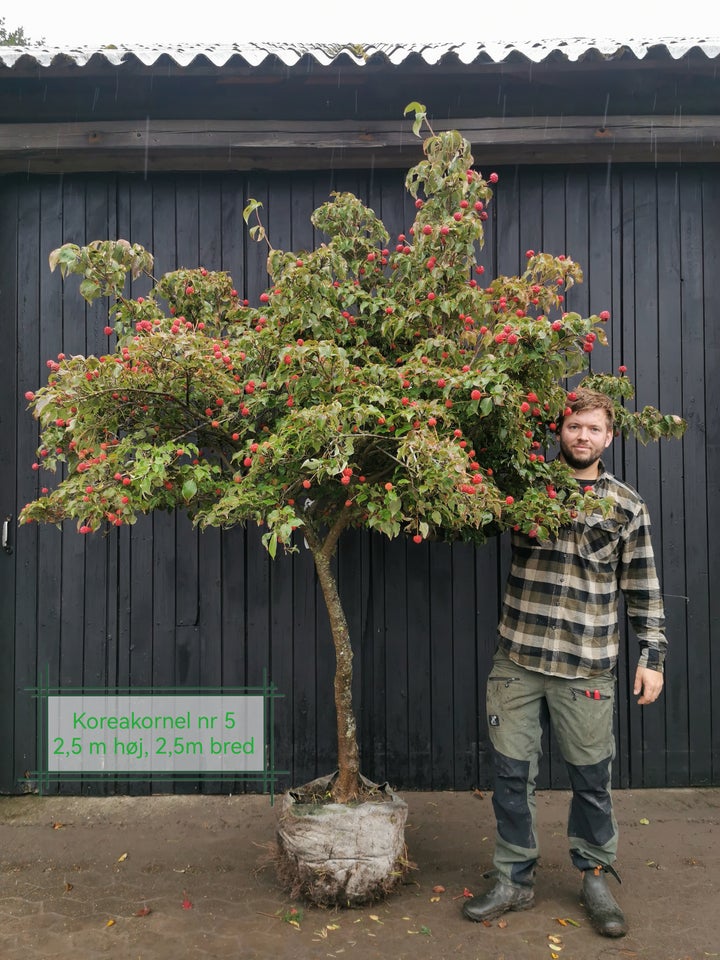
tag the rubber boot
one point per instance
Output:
(503, 897)
(602, 909)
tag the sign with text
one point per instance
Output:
(156, 733)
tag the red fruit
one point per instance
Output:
(189, 290)
(604, 315)
(419, 203)
(475, 395)
(432, 422)
(107, 331)
(529, 253)
(388, 486)
(126, 481)
(431, 296)
(478, 205)
(444, 230)
(264, 297)
(427, 229)
(29, 395)
(622, 368)
(464, 204)
(247, 462)
(457, 216)
(493, 178)
(509, 500)
(85, 529)
(441, 382)
(306, 484)
(524, 407)
(417, 538)
(556, 325)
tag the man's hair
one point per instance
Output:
(593, 400)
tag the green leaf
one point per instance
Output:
(420, 112)
(251, 207)
(189, 489)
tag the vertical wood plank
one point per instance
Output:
(14, 420)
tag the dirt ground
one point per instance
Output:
(175, 877)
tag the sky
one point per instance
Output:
(99, 22)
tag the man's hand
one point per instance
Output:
(649, 683)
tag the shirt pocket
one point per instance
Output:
(599, 541)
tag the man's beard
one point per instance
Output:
(578, 462)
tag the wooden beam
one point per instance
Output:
(288, 144)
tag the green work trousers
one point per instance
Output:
(581, 713)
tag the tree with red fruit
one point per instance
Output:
(376, 385)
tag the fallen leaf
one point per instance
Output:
(375, 917)
(122, 858)
(57, 826)
(486, 923)
(186, 905)
(293, 923)
(68, 887)
(438, 888)
(554, 939)
(502, 923)
(110, 923)
(425, 931)
(143, 911)
(434, 899)
(333, 926)
(466, 892)
(644, 821)
(561, 921)
(479, 794)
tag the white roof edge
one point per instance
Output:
(535, 51)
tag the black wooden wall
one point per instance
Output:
(159, 605)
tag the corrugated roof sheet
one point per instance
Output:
(535, 51)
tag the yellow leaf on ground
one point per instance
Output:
(110, 923)
(375, 917)
(122, 858)
(644, 821)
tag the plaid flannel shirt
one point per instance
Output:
(560, 612)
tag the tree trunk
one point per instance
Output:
(347, 784)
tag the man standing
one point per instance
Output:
(558, 642)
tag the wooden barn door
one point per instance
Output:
(160, 605)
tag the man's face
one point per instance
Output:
(583, 437)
